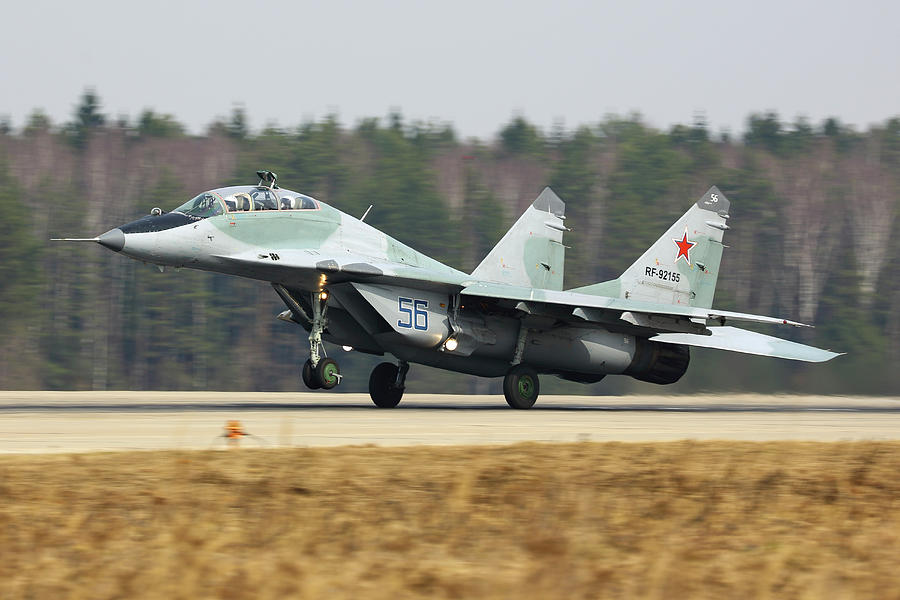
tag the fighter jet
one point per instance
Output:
(348, 283)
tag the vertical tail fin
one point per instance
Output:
(531, 253)
(682, 266)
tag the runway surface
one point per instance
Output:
(34, 422)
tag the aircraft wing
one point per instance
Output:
(308, 269)
(600, 308)
(672, 324)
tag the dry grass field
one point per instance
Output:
(584, 520)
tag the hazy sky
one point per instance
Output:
(472, 63)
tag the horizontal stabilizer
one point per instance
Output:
(748, 342)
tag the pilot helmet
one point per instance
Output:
(243, 201)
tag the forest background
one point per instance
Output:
(813, 216)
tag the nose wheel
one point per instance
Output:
(325, 375)
(308, 374)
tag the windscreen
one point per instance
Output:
(205, 205)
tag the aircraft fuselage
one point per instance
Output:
(385, 315)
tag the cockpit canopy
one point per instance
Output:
(245, 198)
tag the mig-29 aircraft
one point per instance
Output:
(350, 284)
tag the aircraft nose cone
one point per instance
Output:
(114, 239)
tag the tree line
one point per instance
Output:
(813, 212)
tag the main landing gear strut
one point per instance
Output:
(319, 372)
(521, 385)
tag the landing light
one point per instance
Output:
(347, 348)
(451, 344)
(323, 295)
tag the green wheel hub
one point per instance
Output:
(521, 386)
(329, 373)
(526, 387)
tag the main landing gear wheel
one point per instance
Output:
(328, 373)
(521, 386)
(308, 374)
(383, 385)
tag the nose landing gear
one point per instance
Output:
(319, 372)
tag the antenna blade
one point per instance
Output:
(366, 214)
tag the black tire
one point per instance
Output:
(382, 386)
(328, 373)
(309, 377)
(521, 387)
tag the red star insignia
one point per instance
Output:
(684, 248)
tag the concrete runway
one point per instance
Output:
(35, 422)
